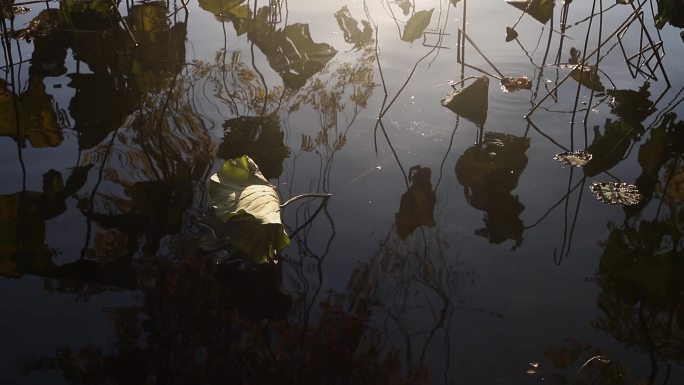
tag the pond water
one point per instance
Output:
(453, 247)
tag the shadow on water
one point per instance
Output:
(144, 128)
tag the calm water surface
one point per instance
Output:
(454, 248)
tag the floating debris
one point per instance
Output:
(515, 84)
(573, 158)
(613, 193)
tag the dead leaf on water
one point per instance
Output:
(613, 193)
(515, 84)
(470, 102)
(573, 158)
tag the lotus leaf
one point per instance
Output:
(470, 102)
(613, 193)
(249, 206)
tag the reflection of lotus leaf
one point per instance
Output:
(417, 204)
(250, 207)
(609, 148)
(93, 119)
(541, 10)
(416, 25)
(260, 138)
(573, 158)
(222, 9)
(670, 11)
(470, 102)
(42, 25)
(632, 106)
(511, 34)
(290, 51)
(162, 47)
(613, 193)
(302, 56)
(94, 15)
(37, 118)
(352, 32)
(488, 173)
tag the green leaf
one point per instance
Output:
(249, 206)
(416, 25)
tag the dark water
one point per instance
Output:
(454, 248)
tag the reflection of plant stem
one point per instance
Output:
(385, 107)
(115, 9)
(654, 361)
(325, 198)
(598, 60)
(628, 21)
(529, 121)
(261, 76)
(304, 249)
(644, 30)
(558, 259)
(522, 14)
(223, 68)
(482, 54)
(669, 108)
(451, 142)
(100, 175)
(579, 81)
(396, 20)
(159, 125)
(538, 221)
